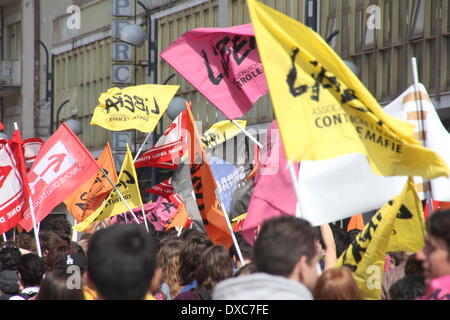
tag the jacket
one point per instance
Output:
(261, 286)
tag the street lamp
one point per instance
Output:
(73, 124)
(49, 83)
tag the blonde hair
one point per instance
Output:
(169, 261)
(337, 284)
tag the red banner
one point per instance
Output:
(164, 189)
(61, 167)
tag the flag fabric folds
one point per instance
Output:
(223, 64)
(62, 165)
(220, 132)
(169, 149)
(138, 107)
(129, 188)
(14, 191)
(204, 187)
(163, 189)
(323, 109)
(273, 193)
(397, 226)
(87, 198)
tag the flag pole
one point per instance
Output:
(247, 134)
(142, 146)
(295, 185)
(121, 196)
(236, 245)
(145, 218)
(33, 216)
(428, 193)
(4, 237)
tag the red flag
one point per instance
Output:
(14, 190)
(61, 167)
(169, 149)
(163, 189)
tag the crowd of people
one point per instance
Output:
(289, 260)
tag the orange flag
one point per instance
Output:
(91, 194)
(180, 218)
(205, 186)
(356, 222)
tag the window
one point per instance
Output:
(359, 25)
(417, 19)
(331, 23)
(433, 65)
(14, 45)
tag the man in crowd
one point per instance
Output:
(121, 262)
(286, 254)
(30, 269)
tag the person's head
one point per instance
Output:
(246, 250)
(56, 255)
(289, 247)
(48, 241)
(336, 284)
(413, 266)
(215, 266)
(408, 288)
(62, 227)
(397, 258)
(25, 241)
(249, 268)
(435, 255)
(195, 244)
(30, 270)
(169, 261)
(54, 287)
(121, 262)
(8, 257)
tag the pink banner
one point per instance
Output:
(157, 213)
(439, 289)
(223, 64)
(273, 194)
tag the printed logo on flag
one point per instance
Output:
(9, 180)
(55, 163)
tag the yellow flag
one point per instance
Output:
(138, 107)
(129, 188)
(398, 226)
(323, 109)
(220, 132)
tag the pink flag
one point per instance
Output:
(223, 64)
(157, 213)
(439, 289)
(273, 194)
(63, 164)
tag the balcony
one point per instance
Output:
(10, 77)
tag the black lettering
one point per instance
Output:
(156, 111)
(214, 80)
(404, 213)
(238, 46)
(292, 77)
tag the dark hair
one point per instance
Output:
(8, 257)
(438, 226)
(31, 269)
(413, 266)
(408, 288)
(54, 287)
(55, 254)
(340, 239)
(246, 249)
(249, 268)
(25, 241)
(86, 236)
(122, 261)
(49, 240)
(282, 242)
(215, 266)
(195, 244)
(62, 227)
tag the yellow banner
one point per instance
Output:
(129, 188)
(91, 194)
(323, 109)
(220, 132)
(398, 226)
(138, 107)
